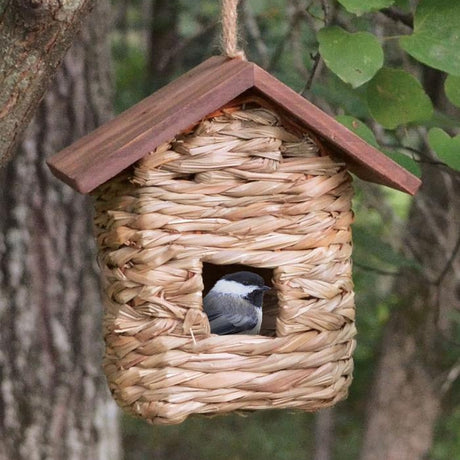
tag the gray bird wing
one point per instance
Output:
(227, 316)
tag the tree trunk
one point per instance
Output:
(324, 434)
(54, 402)
(415, 359)
(34, 36)
(163, 40)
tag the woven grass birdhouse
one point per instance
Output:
(225, 169)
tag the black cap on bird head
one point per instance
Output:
(250, 279)
(246, 278)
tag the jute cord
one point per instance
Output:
(230, 29)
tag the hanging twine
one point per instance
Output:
(230, 30)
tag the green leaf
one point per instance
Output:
(355, 58)
(403, 5)
(447, 148)
(452, 89)
(359, 128)
(359, 7)
(340, 94)
(396, 98)
(436, 37)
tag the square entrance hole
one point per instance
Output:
(212, 273)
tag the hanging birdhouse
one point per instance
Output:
(225, 169)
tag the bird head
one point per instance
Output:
(244, 284)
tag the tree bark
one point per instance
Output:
(34, 36)
(324, 434)
(406, 397)
(54, 402)
(163, 40)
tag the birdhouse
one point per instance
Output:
(225, 169)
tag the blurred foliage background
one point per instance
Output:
(154, 42)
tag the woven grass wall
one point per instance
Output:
(242, 188)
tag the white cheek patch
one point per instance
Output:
(233, 287)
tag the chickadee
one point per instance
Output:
(234, 304)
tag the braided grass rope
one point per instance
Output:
(229, 12)
(238, 188)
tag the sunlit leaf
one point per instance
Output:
(354, 57)
(364, 6)
(446, 147)
(436, 37)
(396, 98)
(452, 89)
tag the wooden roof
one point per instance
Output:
(103, 153)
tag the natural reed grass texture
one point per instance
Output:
(241, 187)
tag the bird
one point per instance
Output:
(234, 304)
